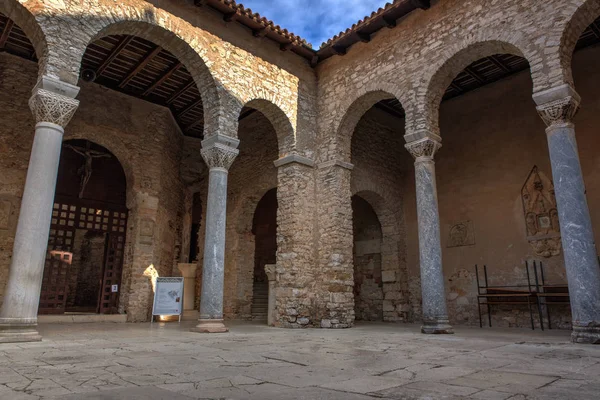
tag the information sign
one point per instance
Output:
(168, 297)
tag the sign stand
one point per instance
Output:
(168, 297)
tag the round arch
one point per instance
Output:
(437, 79)
(22, 17)
(286, 134)
(354, 111)
(579, 18)
(119, 150)
(167, 38)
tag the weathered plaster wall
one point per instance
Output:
(492, 139)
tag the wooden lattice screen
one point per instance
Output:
(68, 216)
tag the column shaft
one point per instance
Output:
(53, 106)
(557, 107)
(213, 268)
(435, 314)
(219, 152)
(29, 252)
(581, 259)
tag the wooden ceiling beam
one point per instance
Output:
(5, 32)
(285, 46)
(189, 107)
(140, 66)
(422, 4)
(498, 63)
(456, 87)
(596, 29)
(181, 91)
(475, 75)
(193, 125)
(114, 54)
(163, 78)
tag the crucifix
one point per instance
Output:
(85, 171)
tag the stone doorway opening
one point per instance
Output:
(368, 284)
(84, 260)
(264, 229)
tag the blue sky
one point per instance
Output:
(314, 20)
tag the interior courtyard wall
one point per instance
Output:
(145, 140)
(380, 167)
(492, 138)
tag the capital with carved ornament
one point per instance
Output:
(424, 149)
(219, 151)
(53, 101)
(557, 106)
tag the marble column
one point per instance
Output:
(53, 105)
(435, 314)
(219, 152)
(557, 107)
(271, 271)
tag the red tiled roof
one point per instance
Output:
(361, 31)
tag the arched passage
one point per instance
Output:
(264, 228)
(86, 248)
(368, 284)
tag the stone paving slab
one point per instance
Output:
(385, 361)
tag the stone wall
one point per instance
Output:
(368, 286)
(381, 167)
(145, 140)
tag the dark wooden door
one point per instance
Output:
(71, 216)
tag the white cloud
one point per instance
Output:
(314, 20)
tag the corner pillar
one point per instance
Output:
(557, 107)
(293, 291)
(336, 265)
(53, 105)
(219, 152)
(435, 314)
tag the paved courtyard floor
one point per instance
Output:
(387, 361)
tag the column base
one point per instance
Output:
(19, 333)
(586, 334)
(210, 326)
(437, 328)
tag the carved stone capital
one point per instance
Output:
(423, 149)
(557, 105)
(52, 107)
(219, 151)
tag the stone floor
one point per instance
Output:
(389, 361)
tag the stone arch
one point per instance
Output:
(579, 18)
(394, 272)
(116, 146)
(354, 111)
(437, 79)
(286, 134)
(168, 34)
(21, 16)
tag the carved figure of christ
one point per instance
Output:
(85, 171)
